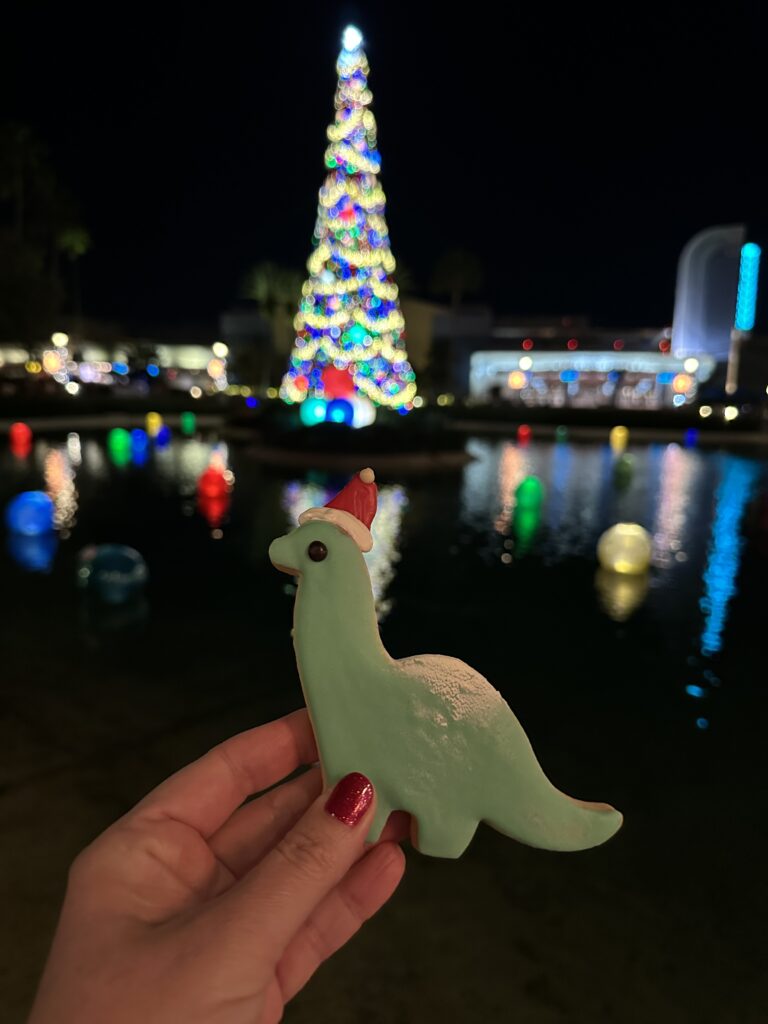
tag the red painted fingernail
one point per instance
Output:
(350, 799)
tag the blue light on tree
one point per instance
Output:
(746, 297)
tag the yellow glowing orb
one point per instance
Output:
(517, 380)
(625, 548)
(618, 439)
(620, 595)
(153, 421)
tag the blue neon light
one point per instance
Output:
(694, 691)
(569, 376)
(737, 483)
(666, 377)
(120, 368)
(746, 297)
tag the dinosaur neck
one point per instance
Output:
(336, 635)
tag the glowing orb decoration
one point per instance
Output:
(163, 436)
(114, 573)
(212, 483)
(312, 411)
(30, 514)
(561, 433)
(188, 422)
(529, 493)
(620, 595)
(139, 439)
(213, 508)
(340, 411)
(618, 439)
(336, 383)
(625, 549)
(118, 440)
(153, 422)
(363, 411)
(525, 525)
(20, 439)
(524, 433)
(517, 380)
(35, 554)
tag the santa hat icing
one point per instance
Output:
(352, 510)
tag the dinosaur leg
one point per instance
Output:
(442, 835)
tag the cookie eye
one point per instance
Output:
(317, 551)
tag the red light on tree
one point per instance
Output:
(337, 383)
(618, 344)
(572, 344)
(527, 344)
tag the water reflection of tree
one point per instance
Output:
(384, 556)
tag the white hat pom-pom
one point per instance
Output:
(367, 475)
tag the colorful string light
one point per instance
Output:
(349, 315)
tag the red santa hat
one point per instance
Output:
(352, 510)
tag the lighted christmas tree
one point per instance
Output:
(349, 328)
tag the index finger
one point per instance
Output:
(206, 793)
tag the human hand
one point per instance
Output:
(193, 908)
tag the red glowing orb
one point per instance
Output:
(527, 344)
(523, 433)
(212, 484)
(664, 345)
(213, 508)
(337, 383)
(618, 344)
(572, 344)
(20, 439)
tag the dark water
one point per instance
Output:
(647, 694)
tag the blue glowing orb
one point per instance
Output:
(163, 437)
(313, 411)
(33, 553)
(114, 573)
(30, 514)
(340, 411)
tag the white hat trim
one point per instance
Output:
(345, 521)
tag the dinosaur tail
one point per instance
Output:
(534, 812)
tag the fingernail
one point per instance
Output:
(350, 799)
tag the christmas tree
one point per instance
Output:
(349, 328)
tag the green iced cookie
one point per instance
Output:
(432, 735)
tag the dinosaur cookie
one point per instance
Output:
(432, 735)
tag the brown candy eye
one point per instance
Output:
(317, 551)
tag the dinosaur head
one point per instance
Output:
(342, 527)
(312, 549)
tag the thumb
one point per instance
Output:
(278, 895)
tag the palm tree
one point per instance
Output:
(457, 273)
(39, 223)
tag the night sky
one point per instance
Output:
(574, 153)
